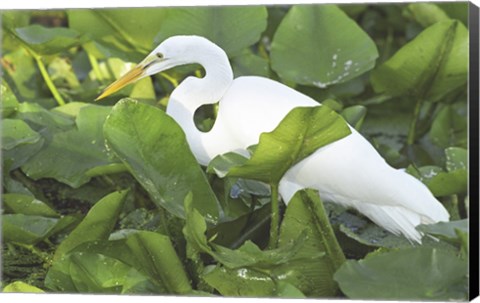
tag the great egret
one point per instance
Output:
(349, 171)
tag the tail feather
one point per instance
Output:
(397, 220)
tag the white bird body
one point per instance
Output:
(348, 171)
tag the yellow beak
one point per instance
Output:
(130, 77)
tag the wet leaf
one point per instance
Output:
(83, 144)
(48, 41)
(120, 28)
(449, 128)
(417, 273)
(426, 13)
(439, 182)
(430, 66)
(97, 225)
(9, 100)
(155, 151)
(231, 28)
(26, 229)
(457, 159)
(46, 122)
(16, 132)
(27, 205)
(19, 143)
(329, 58)
(313, 268)
(299, 134)
(21, 287)
(22, 75)
(155, 255)
(86, 272)
(355, 115)
(248, 254)
(446, 230)
(240, 282)
(250, 64)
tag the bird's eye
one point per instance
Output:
(160, 55)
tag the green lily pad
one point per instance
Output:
(248, 255)
(231, 28)
(86, 272)
(72, 153)
(21, 287)
(449, 128)
(417, 273)
(155, 151)
(426, 13)
(120, 28)
(430, 66)
(27, 205)
(97, 225)
(446, 230)
(9, 100)
(48, 41)
(26, 229)
(19, 143)
(300, 133)
(333, 48)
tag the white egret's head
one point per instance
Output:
(174, 51)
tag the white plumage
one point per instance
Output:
(349, 171)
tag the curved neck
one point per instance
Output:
(194, 92)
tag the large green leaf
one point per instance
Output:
(446, 230)
(240, 282)
(27, 205)
(90, 272)
(150, 254)
(417, 273)
(48, 41)
(456, 159)
(247, 255)
(155, 255)
(299, 134)
(450, 182)
(72, 154)
(432, 65)
(231, 28)
(247, 282)
(320, 45)
(449, 128)
(9, 100)
(426, 13)
(12, 19)
(97, 225)
(250, 64)
(21, 287)
(439, 182)
(355, 115)
(21, 74)
(26, 229)
(46, 122)
(19, 143)
(119, 29)
(16, 132)
(154, 149)
(312, 274)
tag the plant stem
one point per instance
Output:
(170, 79)
(332, 248)
(413, 123)
(275, 217)
(48, 80)
(96, 68)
